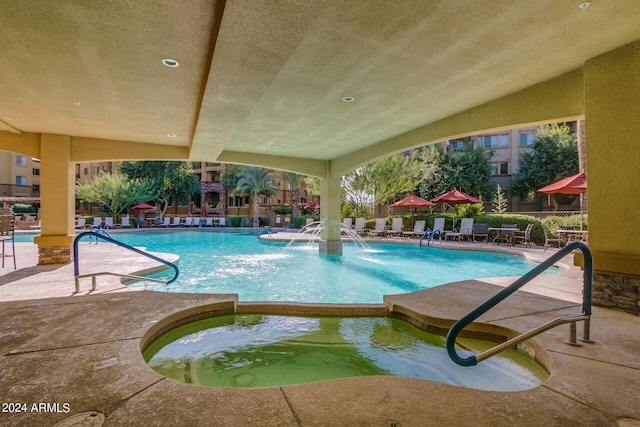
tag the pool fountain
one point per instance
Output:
(310, 233)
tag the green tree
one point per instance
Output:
(294, 180)
(173, 182)
(256, 181)
(393, 176)
(553, 156)
(468, 171)
(117, 192)
(358, 190)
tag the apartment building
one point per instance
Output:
(19, 175)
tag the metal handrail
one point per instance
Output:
(431, 234)
(503, 294)
(105, 236)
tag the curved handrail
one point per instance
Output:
(500, 296)
(76, 265)
(432, 234)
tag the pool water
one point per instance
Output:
(270, 350)
(238, 263)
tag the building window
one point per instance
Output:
(36, 171)
(526, 139)
(493, 141)
(21, 160)
(21, 180)
(456, 145)
(499, 168)
(86, 171)
(35, 188)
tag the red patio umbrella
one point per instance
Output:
(412, 201)
(575, 184)
(455, 197)
(314, 205)
(144, 206)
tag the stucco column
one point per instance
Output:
(612, 91)
(57, 198)
(330, 200)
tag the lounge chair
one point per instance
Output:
(108, 222)
(466, 229)
(222, 222)
(438, 228)
(480, 230)
(125, 222)
(380, 228)
(97, 222)
(418, 229)
(82, 222)
(37, 225)
(166, 222)
(175, 222)
(396, 227)
(549, 239)
(348, 222)
(208, 222)
(188, 221)
(524, 236)
(359, 226)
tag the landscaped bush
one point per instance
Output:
(299, 221)
(235, 221)
(282, 211)
(263, 221)
(22, 208)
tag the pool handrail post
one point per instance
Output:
(503, 294)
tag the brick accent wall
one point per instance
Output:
(54, 255)
(617, 291)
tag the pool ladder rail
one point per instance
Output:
(102, 234)
(430, 234)
(585, 316)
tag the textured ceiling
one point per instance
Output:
(268, 77)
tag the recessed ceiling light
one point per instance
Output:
(348, 99)
(277, 147)
(172, 63)
(172, 135)
(10, 119)
(584, 5)
(76, 103)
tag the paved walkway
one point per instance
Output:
(80, 354)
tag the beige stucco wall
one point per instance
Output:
(612, 101)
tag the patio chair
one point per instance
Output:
(125, 222)
(175, 222)
(348, 222)
(166, 222)
(82, 223)
(396, 227)
(359, 226)
(480, 230)
(108, 222)
(97, 222)
(7, 233)
(418, 229)
(548, 238)
(208, 222)
(222, 222)
(466, 229)
(188, 221)
(524, 236)
(380, 228)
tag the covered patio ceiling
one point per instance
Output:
(270, 78)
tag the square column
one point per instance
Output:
(330, 202)
(57, 191)
(612, 90)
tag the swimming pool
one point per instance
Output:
(237, 263)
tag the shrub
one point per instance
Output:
(282, 211)
(235, 221)
(263, 221)
(22, 208)
(299, 221)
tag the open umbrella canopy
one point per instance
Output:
(143, 206)
(314, 205)
(575, 184)
(455, 197)
(412, 200)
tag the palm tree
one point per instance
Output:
(294, 180)
(257, 181)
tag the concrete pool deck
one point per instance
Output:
(80, 353)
